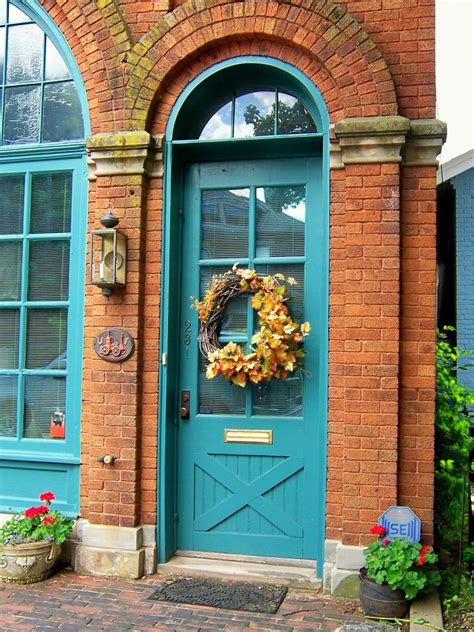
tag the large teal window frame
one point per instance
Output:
(29, 465)
(199, 100)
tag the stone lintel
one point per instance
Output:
(424, 142)
(374, 139)
(125, 154)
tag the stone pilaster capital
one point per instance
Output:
(125, 154)
(369, 140)
(424, 142)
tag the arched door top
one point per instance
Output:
(217, 90)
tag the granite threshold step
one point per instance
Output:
(271, 570)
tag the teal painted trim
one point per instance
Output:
(46, 457)
(47, 151)
(44, 21)
(309, 93)
(193, 150)
(23, 481)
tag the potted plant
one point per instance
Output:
(395, 572)
(30, 542)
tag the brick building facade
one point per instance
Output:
(372, 64)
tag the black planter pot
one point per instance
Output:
(381, 601)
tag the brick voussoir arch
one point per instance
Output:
(322, 28)
(99, 39)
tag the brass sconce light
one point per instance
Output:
(108, 249)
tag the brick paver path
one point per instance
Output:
(72, 603)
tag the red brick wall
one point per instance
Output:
(134, 64)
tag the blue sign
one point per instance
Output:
(401, 522)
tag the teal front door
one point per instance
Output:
(237, 494)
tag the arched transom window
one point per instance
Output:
(39, 102)
(259, 113)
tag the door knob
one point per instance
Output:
(184, 408)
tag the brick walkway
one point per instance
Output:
(72, 603)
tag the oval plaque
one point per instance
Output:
(114, 345)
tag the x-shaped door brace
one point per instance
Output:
(250, 494)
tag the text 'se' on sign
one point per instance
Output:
(401, 522)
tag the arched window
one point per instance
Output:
(42, 235)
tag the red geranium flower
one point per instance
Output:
(378, 530)
(425, 549)
(47, 496)
(385, 542)
(48, 520)
(34, 512)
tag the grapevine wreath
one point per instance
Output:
(275, 350)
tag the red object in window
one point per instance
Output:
(57, 429)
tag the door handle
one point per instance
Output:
(184, 408)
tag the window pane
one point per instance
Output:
(3, 11)
(51, 202)
(2, 53)
(10, 335)
(12, 191)
(62, 117)
(293, 117)
(255, 114)
(218, 396)
(22, 115)
(25, 53)
(219, 125)
(234, 320)
(10, 270)
(15, 15)
(8, 398)
(55, 68)
(46, 338)
(279, 398)
(224, 227)
(49, 271)
(44, 395)
(280, 221)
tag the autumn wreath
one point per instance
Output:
(275, 350)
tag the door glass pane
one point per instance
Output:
(10, 270)
(22, 115)
(25, 53)
(293, 117)
(280, 221)
(279, 398)
(49, 271)
(255, 114)
(51, 202)
(283, 397)
(218, 396)
(10, 335)
(8, 398)
(234, 320)
(55, 68)
(44, 395)
(3, 11)
(219, 125)
(224, 224)
(46, 338)
(12, 189)
(62, 116)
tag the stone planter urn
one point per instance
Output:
(28, 563)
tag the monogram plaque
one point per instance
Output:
(114, 345)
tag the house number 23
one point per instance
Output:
(187, 336)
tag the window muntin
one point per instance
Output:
(34, 300)
(39, 102)
(259, 113)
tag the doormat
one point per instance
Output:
(199, 591)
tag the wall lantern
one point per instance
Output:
(108, 248)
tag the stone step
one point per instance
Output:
(292, 573)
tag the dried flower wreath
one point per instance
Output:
(275, 350)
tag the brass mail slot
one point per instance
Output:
(234, 435)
